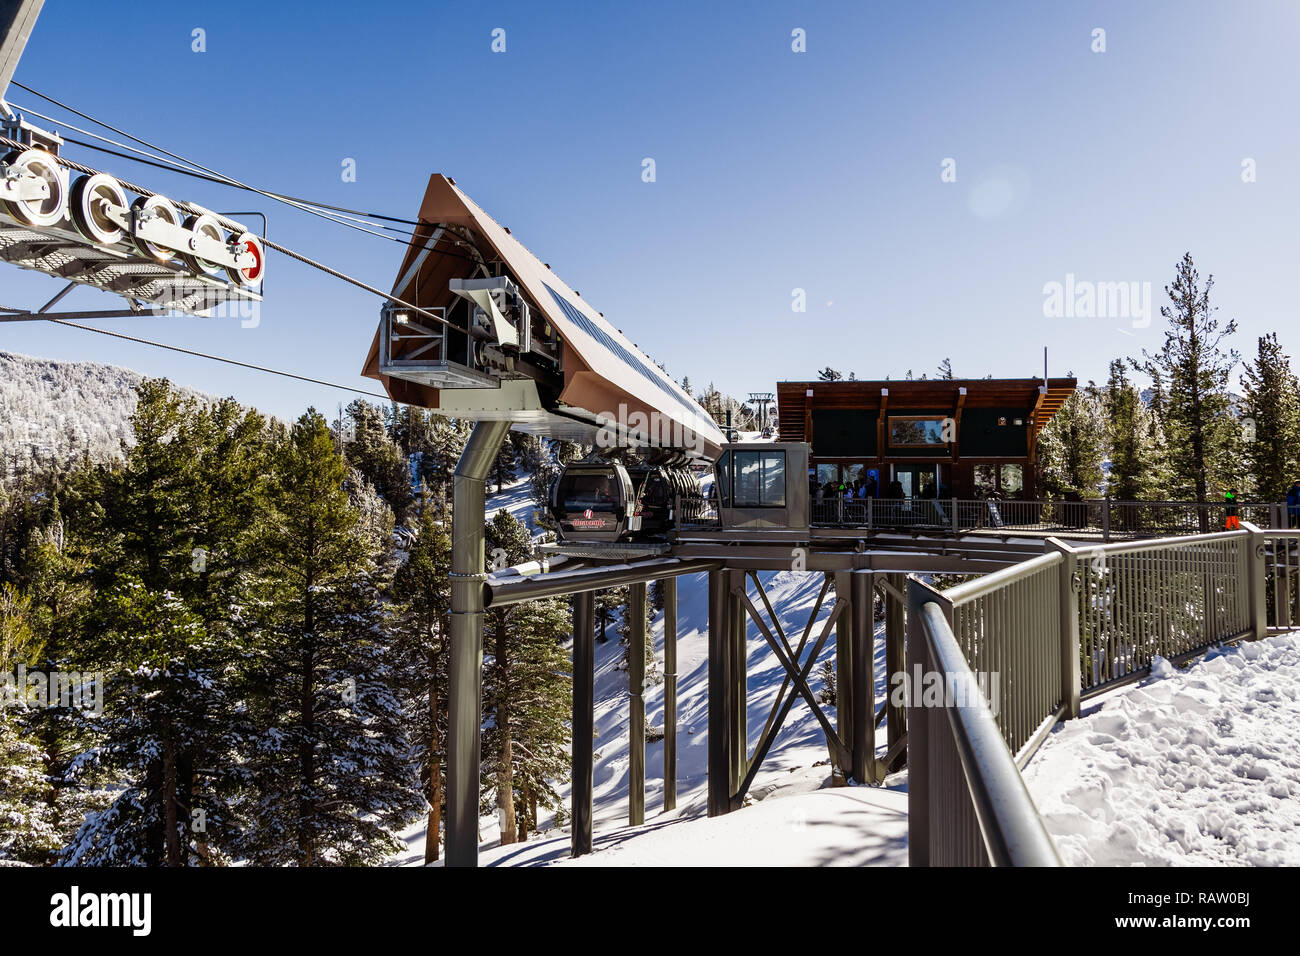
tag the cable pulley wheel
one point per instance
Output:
(90, 194)
(49, 210)
(161, 207)
(203, 226)
(250, 277)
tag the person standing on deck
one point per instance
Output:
(1230, 506)
(1293, 505)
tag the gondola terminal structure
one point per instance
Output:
(477, 328)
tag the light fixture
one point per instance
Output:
(401, 318)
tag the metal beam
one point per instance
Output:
(584, 720)
(93, 314)
(465, 694)
(17, 17)
(500, 591)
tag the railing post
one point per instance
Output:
(839, 508)
(895, 663)
(670, 693)
(1069, 625)
(844, 666)
(918, 741)
(956, 522)
(636, 704)
(1105, 519)
(870, 513)
(1256, 570)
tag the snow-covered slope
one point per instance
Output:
(796, 764)
(1197, 767)
(60, 409)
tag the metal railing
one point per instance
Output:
(967, 803)
(1038, 637)
(1168, 597)
(1279, 551)
(1101, 518)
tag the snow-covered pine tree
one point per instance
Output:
(540, 691)
(331, 767)
(28, 831)
(421, 641)
(368, 448)
(1272, 408)
(508, 543)
(168, 699)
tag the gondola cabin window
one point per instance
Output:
(759, 479)
(597, 492)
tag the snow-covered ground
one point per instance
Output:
(1191, 767)
(843, 826)
(786, 824)
(516, 498)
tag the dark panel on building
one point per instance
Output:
(844, 433)
(993, 432)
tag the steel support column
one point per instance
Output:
(465, 695)
(719, 770)
(895, 714)
(737, 684)
(863, 701)
(636, 609)
(584, 720)
(670, 693)
(844, 665)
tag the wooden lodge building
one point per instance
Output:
(959, 438)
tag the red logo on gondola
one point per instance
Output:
(587, 513)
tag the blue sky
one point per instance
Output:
(775, 170)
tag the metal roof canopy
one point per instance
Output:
(602, 378)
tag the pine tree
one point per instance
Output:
(829, 374)
(539, 686)
(503, 468)
(422, 641)
(1272, 436)
(609, 604)
(1190, 375)
(1132, 440)
(508, 543)
(945, 370)
(1071, 448)
(170, 695)
(368, 448)
(331, 767)
(28, 825)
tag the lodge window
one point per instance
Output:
(758, 479)
(917, 431)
